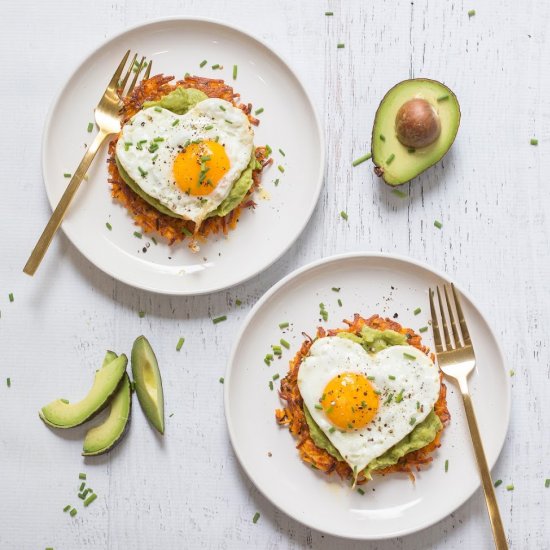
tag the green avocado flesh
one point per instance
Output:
(423, 433)
(104, 437)
(61, 414)
(148, 383)
(396, 163)
(180, 101)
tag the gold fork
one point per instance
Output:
(107, 118)
(457, 361)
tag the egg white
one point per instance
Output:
(153, 171)
(419, 378)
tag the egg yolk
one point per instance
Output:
(349, 401)
(200, 166)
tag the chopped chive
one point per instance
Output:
(180, 343)
(73, 512)
(235, 69)
(81, 496)
(90, 499)
(340, 45)
(108, 226)
(158, 139)
(344, 215)
(284, 343)
(271, 385)
(443, 97)
(154, 240)
(412, 421)
(417, 311)
(256, 517)
(471, 13)
(219, 319)
(228, 121)
(268, 149)
(498, 482)
(389, 160)
(547, 483)
(423, 329)
(534, 141)
(391, 377)
(510, 487)
(209, 127)
(336, 288)
(329, 13)
(67, 175)
(318, 407)
(282, 152)
(339, 302)
(399, 397)
(438, 224)
(276, 182)
(8, 382)
(221, 380)
(90, 126)
(222, 107)
(275, 348)
(176, 122)
(158, 109)
(378, 392)
(276, 376)
(66, 401)
(203, 63)
(67, 508)
(81, 476)
(267, 361)
(388, 399)
(382, 137)
(281, 169)
(409, 356)
(141, 314)
(186, 231)
(360, 491)
(446, 466)
(127, 145)
(332, 429)
(399, 193)
(362, 159)
(411, 150)
(259, 111)
(216, 66)
(283, 325)
(512, 372)
(138, 235)
(142, 171)
(371, 378)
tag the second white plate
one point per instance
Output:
(288, 122)
(392, 505)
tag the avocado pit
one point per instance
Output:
(417, 124)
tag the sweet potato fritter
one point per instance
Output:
(293, 414)
(145, 215)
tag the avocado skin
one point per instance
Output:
(379, 170)
(142, 357)
(124, 385)
(104, 403)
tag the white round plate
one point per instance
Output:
(392, 505)
(289, 122)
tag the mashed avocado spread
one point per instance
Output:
(179, 101)
(374, 340)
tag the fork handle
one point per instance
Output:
(59, 213)
(486, 480)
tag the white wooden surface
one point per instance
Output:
(491, 193)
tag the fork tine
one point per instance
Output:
(456, 337)
(148, 71)
(461, 319)
(118, 72)
(435, 324)
(136, 76)
(127, 75)
(444, 321)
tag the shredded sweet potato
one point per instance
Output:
(145, 215)
(293, 414)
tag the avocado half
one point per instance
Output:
(415, 125)
(62, 414)
(148, 383)
(104, 437)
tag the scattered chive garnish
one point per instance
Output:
(498, 482)
(141, 314)
(409, 356)
(222, 107)
(547, 483)
(471, 13)
(73, 512)
(154, 240)
(332, 429)
(8, 382)
(340, 45)
(221, 380)
(534, 141)
(271, 385)
(67, 175)
(90, 126)
(235, 69)
(512, 372)
(284, 325)
(176, 122)
(276, 182)
(67, 508)
(344, 215)
(203, 63)
(360, 491)
(443, 97)
(108, 226)
(256, 517)
(268, 149)
(438, 224)
(142, 171)
(329, 13)
(371, 378)
(276, 348)
(216, 66)
(391, 377)
(90, 499)
(389, 160)
(510, 487)
(446, 466)
(423, 329)
(186, 231)
(336, 289)
(81, 476)
(180, 344)
(158, 109)
(399, 397)
(382, 137)
(219, 319)
(412, 421)
(209, 127)
(276, 376)
(10, 296)
(282, 152)
(399, 193)
(417, 311)
(284, 343)
(281, 169)
(259, 111)
(319, 407)
(81, 496)
(411, 150)
(138, 235)
(228, 121)
(66, 401)
(362, 159)
(238, 302)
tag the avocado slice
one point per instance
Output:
(101, 439)
(62, 414)
(148, 383)
(415, 125)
